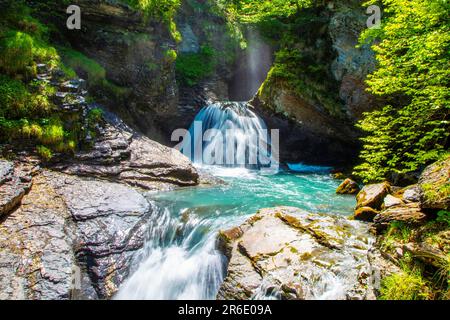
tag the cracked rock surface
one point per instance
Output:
(288, 253)
(14, 184)
(71, 237)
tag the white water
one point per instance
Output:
(180, 260)
(229, 133)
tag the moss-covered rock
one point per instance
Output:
(348, 187)
(434, 184)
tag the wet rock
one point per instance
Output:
(110, 224)
(36, 258)
(288, 253)
(410, 214)
(14, 184)
(434, 184)
(365, 214)
(120, 154)
(348, 187)
(391, 201)
(372, 195)
(72, 237)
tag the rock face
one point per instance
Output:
(14, 184)
(71, 238)
(143, 89)
(120, 154)
(36, 258)
(434, 185)
(109, 225)
(288, 253)
(348, 187)
(326, 107)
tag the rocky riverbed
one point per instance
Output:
(288, 253)
(70, 230)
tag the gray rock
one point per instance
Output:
(36, 258)
(110, 224)
(190, 43)
(287, 253)
(391, 201)
(14, 184)
(411, 194)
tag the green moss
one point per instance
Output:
(44, 152)
(191, 68)
(78, 61)
(163, 10)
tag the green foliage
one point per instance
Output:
(443, 216)
(78, 61)
(171, 56)
(406, 285)
(27, 114)
(194, 67)
(413, 77)
(163, 10)
(44, 152)
(257, 11)
(95, 116)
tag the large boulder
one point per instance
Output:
(122, 155)
(36, 258)
(110, 222)
(287, 253)
(434, 184)
(348, 187)
(372, 195)
(409, 214)
(72, 237)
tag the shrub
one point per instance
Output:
(16, 52)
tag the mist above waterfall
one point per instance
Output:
(252, 68)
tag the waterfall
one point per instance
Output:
(177, 261)
(229, 134)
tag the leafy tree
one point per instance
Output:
(413, 74)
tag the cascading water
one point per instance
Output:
(180, 259)
(229, 134)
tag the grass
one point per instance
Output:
(406, 285)
(77, 61)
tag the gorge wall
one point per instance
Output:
(152, 91)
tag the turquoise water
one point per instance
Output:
(180, 260)
(245, 192)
